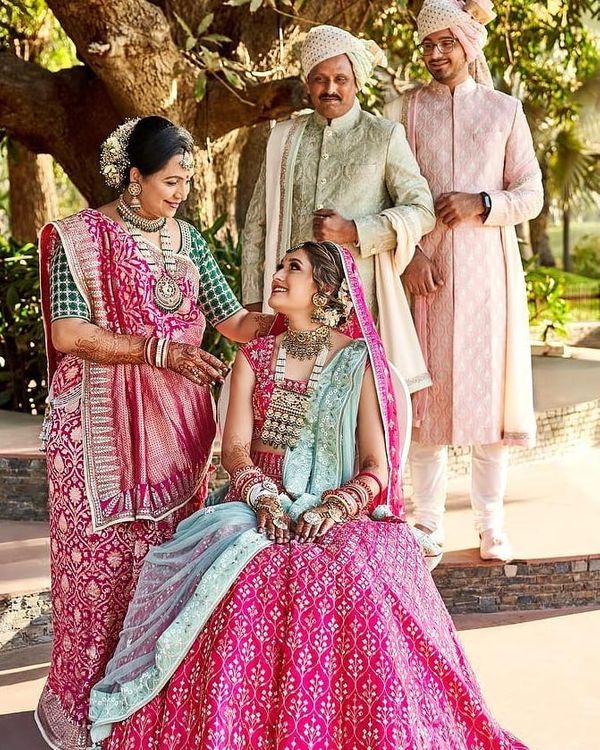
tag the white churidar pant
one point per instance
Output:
(489, 474)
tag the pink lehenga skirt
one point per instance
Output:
(340, 644)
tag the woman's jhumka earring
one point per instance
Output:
(320, 301)
(135, 190)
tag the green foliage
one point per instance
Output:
(31, 29)
(548, 54)
(572, 282)
(586, 256)
(22, 354)
(205, 51)
(227, 252)
(547, 308)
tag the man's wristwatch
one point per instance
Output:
(487, 205)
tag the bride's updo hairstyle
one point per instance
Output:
(328, 273)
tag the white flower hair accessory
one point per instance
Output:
(114, 161)
(344, 299)
(338, 308)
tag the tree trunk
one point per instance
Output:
(32, 191)
(524, 237)
(538, 228)
(540, 243)
(566, 237)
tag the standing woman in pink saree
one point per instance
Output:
(126, 292)
(298, 614)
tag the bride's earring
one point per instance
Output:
(135, 190)
(320, 301)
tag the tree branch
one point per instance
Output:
(66, 114)
(129, 46)
(224, 112)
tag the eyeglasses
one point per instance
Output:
(443, 47)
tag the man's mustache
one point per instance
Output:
(329, 97)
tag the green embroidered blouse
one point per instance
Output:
(215, 298)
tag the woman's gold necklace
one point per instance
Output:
(130, 216)
(167, 293)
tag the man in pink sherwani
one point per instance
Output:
(474, 147)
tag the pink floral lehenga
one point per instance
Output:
(128, 449)
(234, 642)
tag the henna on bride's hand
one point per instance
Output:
(235, 455)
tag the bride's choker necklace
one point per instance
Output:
(139, 222)
(306, 344)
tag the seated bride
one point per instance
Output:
(299, 612)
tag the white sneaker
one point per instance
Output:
(494, 545)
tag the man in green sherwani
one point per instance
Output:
(343, 175)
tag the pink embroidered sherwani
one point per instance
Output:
(476, 339)
(474, 331)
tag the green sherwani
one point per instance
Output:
(359, 165)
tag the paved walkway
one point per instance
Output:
(540, 674)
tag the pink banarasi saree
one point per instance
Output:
(127, 448)
(234, 642)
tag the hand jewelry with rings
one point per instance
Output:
(273, 510)
(312, 518)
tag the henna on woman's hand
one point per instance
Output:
(262, 323)
(195, 364)
(107, 348)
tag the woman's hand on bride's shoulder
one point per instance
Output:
(195, 364)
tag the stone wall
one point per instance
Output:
(23, 488)
(533, 584)
(25, 620)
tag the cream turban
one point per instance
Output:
(323, 42)
(466, 19)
